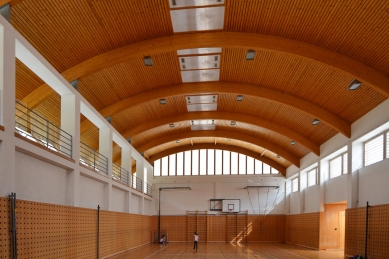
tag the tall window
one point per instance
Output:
(312, 177)
(338, 165)
(210, 162)
(374, 150)
(295, 184)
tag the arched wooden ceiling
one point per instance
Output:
(307, 53)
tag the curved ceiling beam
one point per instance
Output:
(232, 148)
(239, 117)
(230, 88)
(316, 54)
(221, 134)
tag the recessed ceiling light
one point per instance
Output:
(109, 119)
(171, 125)
(162, 101)
(177, 141)
(148, 61)
(250, 54)
(129, 140)
(278, 156)
(228, 139)
(233, 123)
(315, 121)
(239, 98)
(293, 142)
(354, 85)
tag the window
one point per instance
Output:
(338, 165)
(295, 184)
(210, 162)
(172, 164)
(374, 150)
(312, 177)
(387, 144)
(157, 168)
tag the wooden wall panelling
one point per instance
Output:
(242, 228)
(303, 229)
(217, 228)
(191, 227)
(4, 229)
(202, 227)
(231, 228)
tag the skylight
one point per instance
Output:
(200, 75)
(199, 62)
(188, 3)
(202, 125)
(198, 51)
(198, 19)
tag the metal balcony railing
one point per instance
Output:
(147, 189)
(137, 183)
(35, 127)
(93, 159)
(120, 174)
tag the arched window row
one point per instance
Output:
(210, 162)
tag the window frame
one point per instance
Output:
(341, 165)
(316, 176)
(384, 147)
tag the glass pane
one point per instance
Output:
(374, 150)
(203, 162)
(180, 163)
(336, 167)
(187, 162)
(312, 177)
(226, 162)
(258, 167)
(172, 164)
(219, 161)
(266, 169)
(234, 163)
(274, 171)
(345, 163)
(211, 161)
(195, 162)
(295, 185)
(164, 166)
(242, 164)
(250, 165)
(157, 167)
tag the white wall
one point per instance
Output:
(119, 200)
(39, 181)
(336, 189)
(91, 193)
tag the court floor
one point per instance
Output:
(227, 250)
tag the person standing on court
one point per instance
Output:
(196, 241)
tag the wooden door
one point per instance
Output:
(342, 224)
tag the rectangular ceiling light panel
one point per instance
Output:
(203, 127)
(198, 51)
(200, 75)
(199, 62)
(188, 3)
(194, 99)
(201, 122)
(202, 107)
(198, 19)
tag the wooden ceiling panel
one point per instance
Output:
(148, 111)
(91, 137)
(26, 81)
(313, 82)
(124, 80)
(268, 110)
(70, 32)
(51, 109)
(355, 28)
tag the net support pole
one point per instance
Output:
(367, 227)
(159, 214)
(98, 231)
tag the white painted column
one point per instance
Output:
(7, 107)
(70, 123)
(105, 148)
(321, 181)
(355, 162)
(140, 175)
(126, 164)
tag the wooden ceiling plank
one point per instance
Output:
(253, 120)
(223, 134)
(236, 149)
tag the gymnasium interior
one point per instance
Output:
(260, 125)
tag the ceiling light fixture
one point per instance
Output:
(354, 85)
(239, 98)
(162, 101)
(233, 123)
(293, 142)
(315, 121)
(250, 55)
(177, 141)
(278, 156)
(171, 125)
(228, 139)
(148, 61)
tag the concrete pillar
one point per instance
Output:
(7, 107)
(321, 181)
(105, 148)
(140, 175)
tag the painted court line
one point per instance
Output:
(157, 251)
(290, 252)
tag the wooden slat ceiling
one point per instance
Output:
(70, 32)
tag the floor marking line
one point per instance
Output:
(157, 251)
(290, 252)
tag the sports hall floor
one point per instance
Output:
(227, 250)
